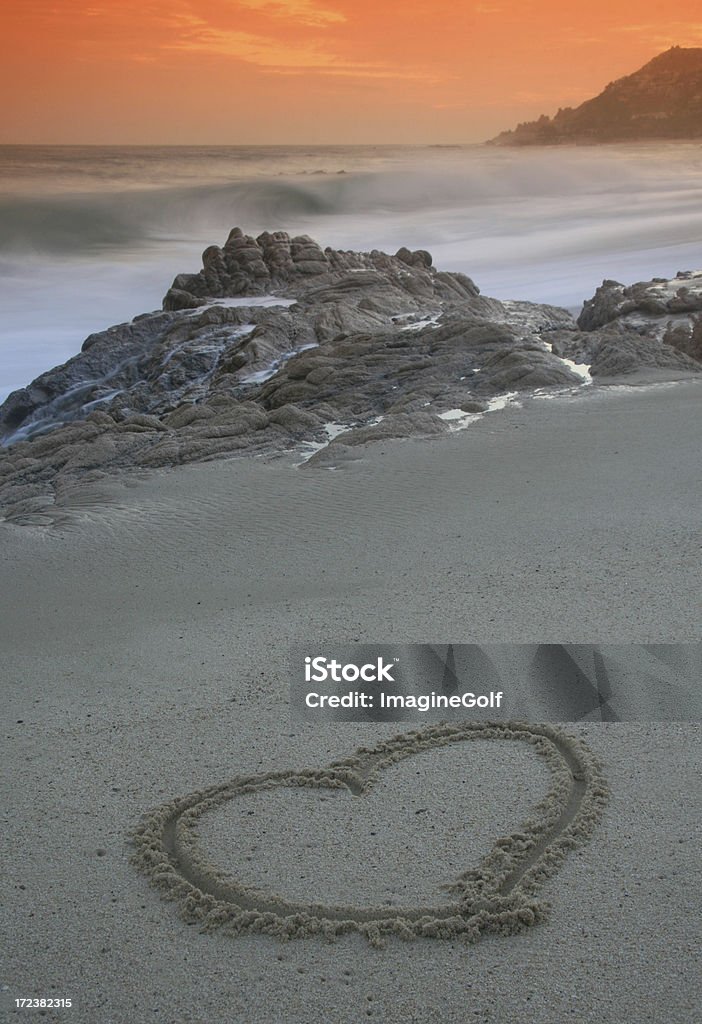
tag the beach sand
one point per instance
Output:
(144, 647)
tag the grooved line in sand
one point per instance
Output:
(499, 895)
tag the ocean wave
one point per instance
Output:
(83, 223)
(459, 187)
(61, 225)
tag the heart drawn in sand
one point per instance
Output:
(498, 895)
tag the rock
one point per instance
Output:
(144, 422)
(418, 258)
(606, 305)
(686, 338)
(332, 457)
(184, 415)
(648, 306)
(296, 422)
(393, 426)
(618, 355)
(617, 350)
(101, 419)
(178, 298)
(379, 344)
(524, 367)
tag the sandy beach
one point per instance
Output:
(144, 644)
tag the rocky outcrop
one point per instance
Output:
(216, 341)
(325, 352)
(650, 325)
(662, 100)
(686, 338)
(616, 353)
(646, 303)
(274, 261)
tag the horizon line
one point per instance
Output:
(247, 145)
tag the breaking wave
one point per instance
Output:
(452, 196)
(78, 224)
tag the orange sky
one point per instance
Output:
(314, 71)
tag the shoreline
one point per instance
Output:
(588, 515)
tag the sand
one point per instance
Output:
(143, 653)
(488, 894)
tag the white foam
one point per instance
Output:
(30, 430)
(582, 370)
(196, 345)
(502, 401)
(103, 398)
(458, 419)
(248, 300)
(259, 376)
(332, 430)
(431, 321)
(462, 420)
(450, 414)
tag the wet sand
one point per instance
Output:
(144, 645)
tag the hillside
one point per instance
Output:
(662, 100)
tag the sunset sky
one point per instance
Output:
(315, 71)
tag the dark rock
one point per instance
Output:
(524, 367)
(606, 305)
(617, 351)
(380, 345)
(686, 338)
(178, 298)
(663, 309)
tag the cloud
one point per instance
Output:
(368, 71)
(278, 37)
(304, 12)
(197, 36)
(671, 33)
(284, 55)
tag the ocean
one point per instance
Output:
(92, 236)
